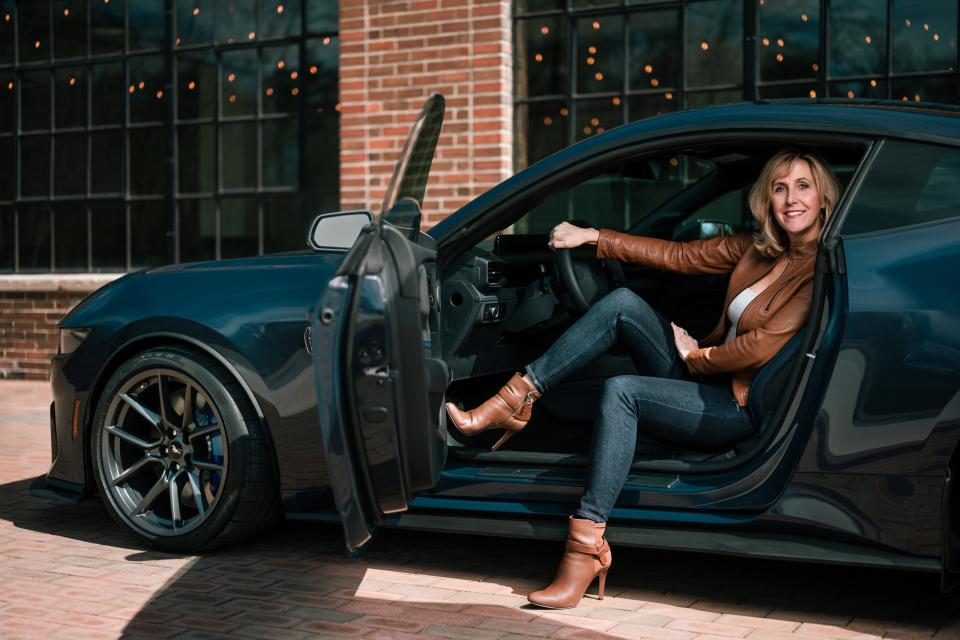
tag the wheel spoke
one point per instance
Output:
(209, 466)
(148, 499)
(174, 491)
(132, 439)
(188, 416)
(166, 408)
(151, 416)
(134, 468)
(197, 492)
(203, 432)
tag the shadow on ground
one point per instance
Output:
(294, 580)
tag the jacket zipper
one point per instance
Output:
(777, 292)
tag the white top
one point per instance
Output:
(735, 310)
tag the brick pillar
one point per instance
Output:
(392, 56)
(30, 307)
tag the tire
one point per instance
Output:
(218, 458)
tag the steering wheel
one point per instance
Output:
(584, 281)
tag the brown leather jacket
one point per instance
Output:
(766, 325)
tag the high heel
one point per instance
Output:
(510, 409)
(586, 556)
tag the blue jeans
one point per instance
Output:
(664, 401)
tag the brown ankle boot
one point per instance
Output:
(586, 556)
(509, 409)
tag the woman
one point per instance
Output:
(690, 393)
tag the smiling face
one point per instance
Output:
(796, 203)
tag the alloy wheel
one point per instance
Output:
(163, 452)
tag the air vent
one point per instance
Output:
(496, 274)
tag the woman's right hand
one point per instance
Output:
(568, 236)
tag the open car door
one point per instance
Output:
(379, 391)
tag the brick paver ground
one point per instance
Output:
(67, 571)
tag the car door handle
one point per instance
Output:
(383, 371)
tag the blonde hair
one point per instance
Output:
(771, 239)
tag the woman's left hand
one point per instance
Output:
(685, 342)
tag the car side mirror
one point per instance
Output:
(337, 230)
(715, 229)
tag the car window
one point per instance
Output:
(908, 184)
(731, 209)
(620, 198)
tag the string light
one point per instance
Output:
(36, 45)
(132, 89)
(936, 37)
(269, 91)
(780, 42)
(654, 82)
(596, 24)
(538, 57)
(850, 93)
(926, 27)
(196, 11)
(140, 85)
(159, 94)
(648, 68)
(815, 66)
(295, 91)
(7, 17)
(232, 98)
(66, 12)
(279, 8)
(916, 98)
(704, 46)
(803, 17)
(10, 85)
(590, 60)
(337, 107)
(544, 30)
(873, 83)
(868, 39)
(766, 42)
(779, 57)
(251, 35)
(813, 93)
(600, 129)
(904, 99)
(594, 121)
(280, 64)
(564, 112)
(668, 95)
(548, 121)
(592, 50)
(313, 70)
(190, 85)
(294, 75)
(178, 41)
(598, 75)
(616, 102)
(72, 81)
(907, 22)
(326, 41)
(587, 130)
(674, 162)
(231, 77)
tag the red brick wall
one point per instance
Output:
(392, 56)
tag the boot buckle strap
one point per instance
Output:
(591, 549)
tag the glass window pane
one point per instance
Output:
(237, 21)
(33, 223)
(35, 94)
(70, 163)
(145, 89)
(281, 153)
(707, 98)
(239, 155)
(35, 165)
(194, 21)
(859, 89)
(69, 29)
(539, 5)
(279, 18)
(284, 225)
(70, 91)
(281, 79)
(714, 47)
(596, 116)
(198, 230)
(147, 175)
(70, 237)
(799, 90)
(106, 27)
(789, 44)
(108, 236)
(33, 21)
(937, 89)
(319, 76)
(109, 93)
(148, 234)
(858, 37)
(106, 161)
(239, 83)
(322, 16)
(196, 85)
(196, 158)
(652, 50)
(6, 239)
(542, 131)
(541, 57)
(8, 96)
(924, 35)
(323, 152)
(599, 54)
(8, 177)
(8, 9)
(652, 104)
(238, 227)
(146, 24)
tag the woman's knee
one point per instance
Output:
(619, 391)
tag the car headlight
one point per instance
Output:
(70, 339)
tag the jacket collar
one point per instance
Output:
(804, 250)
